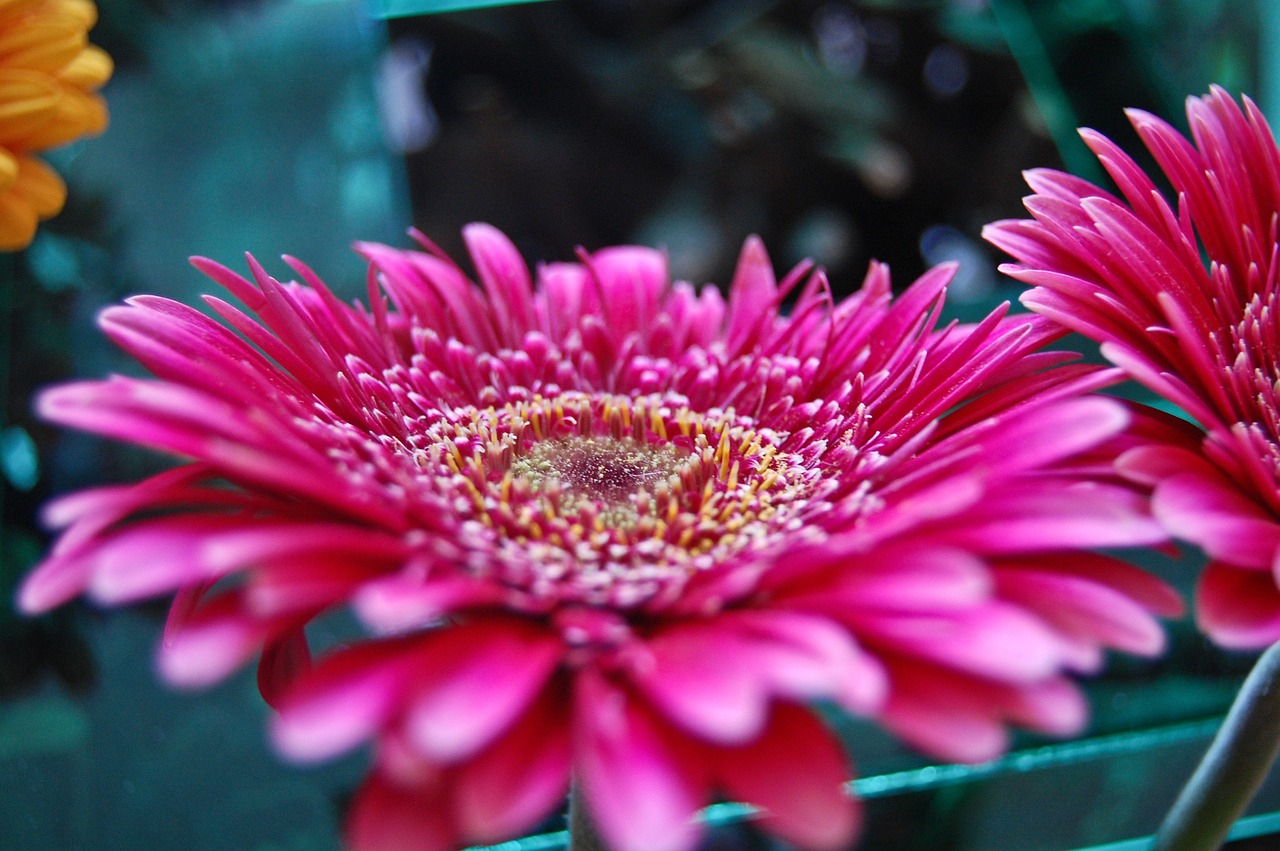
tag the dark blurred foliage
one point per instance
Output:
(66, 270)
(811, 124)
(840, 130)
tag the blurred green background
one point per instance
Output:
(844, 131)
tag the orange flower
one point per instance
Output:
(49, 75)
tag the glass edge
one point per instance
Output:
(383, 10)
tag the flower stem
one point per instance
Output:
(1235, 765)
(582, 831)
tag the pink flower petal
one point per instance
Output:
(308, 581)
(283, 661)
(388, 817)
(168, 337)
(156, 556)
(1238, 608)
(904, 578)
(939, 725)
(811, 657)
(751, 296)
(962, 718)
(204, 646)
(1154, 463)
(1045, 435)
(422, 285)
(724, 696)
(567, 295)
(1212, 512)
(89, 514)
(505, 277)
(163, 415)
(1084, 609)
(632, 281)
(1168, 384)
(1137, 585)
(345, 699)
(717, 696)
(1048, 516)
(188, 423)
(1054, 706)
(474, 683)
(510, 786)
(399, 603)
(642, 785)
(994, 640)
(795, 773)
(54, 581)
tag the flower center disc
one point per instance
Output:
(613, 474)
(614, 500)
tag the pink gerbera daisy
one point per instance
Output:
(1184, 298)
(603, 526)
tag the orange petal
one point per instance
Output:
(40, 186)
(8, 169)
(17, 223)
(77, 114)
(28, 100)
(47, 45)
(12, 11)
(84, 11)
(89, 70)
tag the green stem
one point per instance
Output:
(1233, 768)
(583, 835)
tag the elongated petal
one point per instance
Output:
(795, 772)
(631, 283)
(996, 640)
(513, 784)
(1238, 607)
(388, 817)
(725, 696)
(641, 787)
(1212, 512)
(397, 603)
(285, 658)
(1042, 518)
(752, 296)
(907, 579)
(505, 278)
(1082, 607)
(343, 700)
(203, 647)
(157, 556)
(475, 682)
(942, 717)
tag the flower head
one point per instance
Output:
(597, 524)
(1184, 298)
(49, 76)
